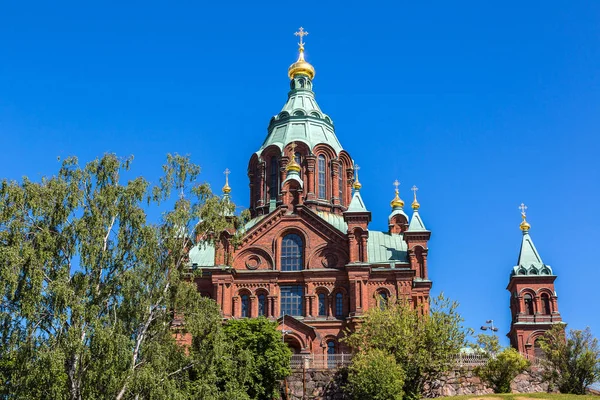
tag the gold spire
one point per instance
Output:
(524, 224)
(301, 66)
(357, 185)
(415, 204)
(397, 201)
(293, 165)
(226, 189)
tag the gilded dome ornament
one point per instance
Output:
(357, 185)
(293, 165)
(397, 202)
(415, 204)
(301, 67)
(226, 189)
(524, 224)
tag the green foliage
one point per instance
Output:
(375, 375)
(88, 286)
(572, 362)
(487, 344)
(501, 368)
(258, 344)
(424, 345)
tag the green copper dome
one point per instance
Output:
(301, 120)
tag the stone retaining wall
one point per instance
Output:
(326, 384)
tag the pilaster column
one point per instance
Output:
(236, 307)
(253, 307)
(276, 307)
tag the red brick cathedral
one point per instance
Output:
(308, 258)
(533, 300)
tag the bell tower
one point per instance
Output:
(533, 300)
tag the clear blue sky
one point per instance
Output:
(482, 106)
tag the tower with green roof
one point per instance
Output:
(533, 299)
(308, 257)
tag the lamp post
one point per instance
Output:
(490, 326)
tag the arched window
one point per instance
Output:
(274, 179)
(545, 304)
(245, 306)
(339, 305)
(537, 349)
(322, 311)
(528, 300)
(262, 305)
(331, 354)
(341, 185)
(321, 177)
(383, 298)
(291, 253)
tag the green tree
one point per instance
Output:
(425, 345)
(502, 366)
(88, 285)
(571, 362)
(258, 343)
(375, 375)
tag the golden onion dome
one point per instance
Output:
(524, 225)
(226, 189)
(301, 66)
(397, 201)
(357, 185)
(293, 166)
(415, 205)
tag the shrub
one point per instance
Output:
(374, 375)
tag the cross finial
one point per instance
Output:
(414, 189)
(301, 32)
(396, 184)
(293, 146)
(523, 208)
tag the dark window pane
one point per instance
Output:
(273, 182)
(528, 300)
(291, 253)
(291, 300)
(341, 185)
(245, 306)
(382, 300)
(322, 311)
(262, 305)
(321, 177)
(339, 305)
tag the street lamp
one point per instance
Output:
(490, 326)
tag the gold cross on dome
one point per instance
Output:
(227, 172)
(414, 189)
(397, 184)
(523, 208)
(293, 146)
(301, 32)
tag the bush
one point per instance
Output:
(425, 345)
(572, 362)
(501, 369)
(374, 375)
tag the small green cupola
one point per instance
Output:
(397, 220)
(529, 261)
(416, 223)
